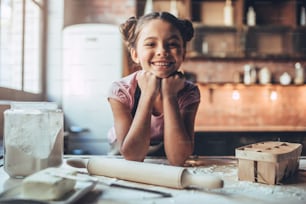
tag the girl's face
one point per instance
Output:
(159, 48)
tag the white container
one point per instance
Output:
(264, 76)
(33, 138)
(285, 79)
(149, 7)
(228, 13)
(251, 17)
(299, 74)
(173, 8)
(249, 75)
(303, 16)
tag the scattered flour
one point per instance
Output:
(233, 187)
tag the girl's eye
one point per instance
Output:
(149, 44)
(173, 44)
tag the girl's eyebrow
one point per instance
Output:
(175, 36)
(150, 38)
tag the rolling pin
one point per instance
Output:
(149, 173)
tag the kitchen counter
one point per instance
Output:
(234, 191)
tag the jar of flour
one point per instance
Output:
(33, 137)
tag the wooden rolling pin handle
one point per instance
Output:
(201, 181)
(77, 162)
(187, 180)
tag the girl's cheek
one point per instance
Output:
(179, 51)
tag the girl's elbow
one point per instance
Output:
(133, 158)
(178, 161)
(131, 155)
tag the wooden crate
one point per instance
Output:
(268, 162)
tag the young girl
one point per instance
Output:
(156, 103)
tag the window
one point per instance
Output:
(21, 48)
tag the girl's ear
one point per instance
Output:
(134, 55)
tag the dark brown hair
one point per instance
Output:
(132, 27)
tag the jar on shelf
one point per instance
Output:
(264, 76)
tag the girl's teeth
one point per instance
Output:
(161, 64)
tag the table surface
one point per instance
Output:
(234, 191)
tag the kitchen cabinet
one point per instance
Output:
(279, 31)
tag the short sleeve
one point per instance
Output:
(119, 93)
(123, 90)
(189, 95)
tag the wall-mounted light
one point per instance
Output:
(273, 95)
(235, 95)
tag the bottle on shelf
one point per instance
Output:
(173, 8)
(249, 76)
(303, 17)
(228, 13)
(251, 17)
(149, 7)
(299, 74)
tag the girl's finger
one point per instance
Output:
(180, 74)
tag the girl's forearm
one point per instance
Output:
(178, 141)
(136, 143)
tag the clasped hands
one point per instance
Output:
(150, 84)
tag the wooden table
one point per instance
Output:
(234, 191)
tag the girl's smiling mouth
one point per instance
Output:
(162, 64)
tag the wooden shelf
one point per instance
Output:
(250, 128)
(228, 57)
(277, 33)
(248, 42)
(273, 12)
(232, 85)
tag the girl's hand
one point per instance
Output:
(148, 83)
(173, 84)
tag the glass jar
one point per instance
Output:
(33, 137)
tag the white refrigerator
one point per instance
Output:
(92, 60)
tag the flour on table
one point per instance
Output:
(253, 190)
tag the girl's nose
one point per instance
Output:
(162, 51)
(165, 54)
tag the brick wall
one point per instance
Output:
(98, 11)
(254, 110)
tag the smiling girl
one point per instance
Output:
(155, 105)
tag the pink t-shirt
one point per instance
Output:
(124, 89)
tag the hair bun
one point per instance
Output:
(127, 29)
(187, 30)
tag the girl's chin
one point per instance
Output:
(161, 75)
